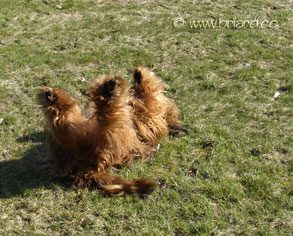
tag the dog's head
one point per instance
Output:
(54, 99)
(47, 96)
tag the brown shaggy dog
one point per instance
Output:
(120, 126)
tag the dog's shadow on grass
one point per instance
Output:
(19, 176)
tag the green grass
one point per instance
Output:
(232, 175)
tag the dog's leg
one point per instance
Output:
(65, 127)
(117, 141)
(108, 94)
(146, 85)
(150, 89)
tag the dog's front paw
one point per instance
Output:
(105, 89)
(137, 76)
(108, 88)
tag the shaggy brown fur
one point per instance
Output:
(154, 114)
(120, 127)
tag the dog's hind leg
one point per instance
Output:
(148, 93)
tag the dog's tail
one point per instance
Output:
(112, 185)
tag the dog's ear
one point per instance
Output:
(137, 76)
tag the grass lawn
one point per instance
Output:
(233, 173)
